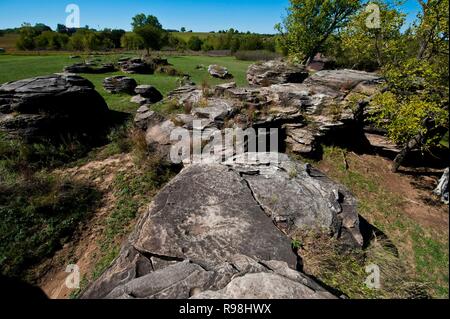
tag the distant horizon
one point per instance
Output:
(203, 16)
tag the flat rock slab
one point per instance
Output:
(208, 214)
(89, 68)
(343, 80)
(210, 233)
(264, 286)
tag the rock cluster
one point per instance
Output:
(120, 84)
(223, 228)
(48, 106)
(308, 113)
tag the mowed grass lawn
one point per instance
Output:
(17, 67)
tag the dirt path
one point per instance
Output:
(84, 248)
(415, 189)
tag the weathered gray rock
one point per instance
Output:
(442, 188)
(146, 118)
(217, 110)
(139, 100)
(319, 63)
(89, 68)
(218, 71)
(48, 106)
(300, 139)
(219, 90)
(119, 84)
(343, 80)
(210, 233)
(169, 282)
(311, 99)
(149, 92)
(275, 72)
(264, 286)
(207, 214)
(158, 135)
(186, 94)
(136, 66)
(297, 200)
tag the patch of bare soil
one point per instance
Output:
(83, 248)
(414, 187)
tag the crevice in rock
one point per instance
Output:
(149, 255)
(299, 263)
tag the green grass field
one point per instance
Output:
(16, 67)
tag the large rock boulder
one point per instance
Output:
(119, 84)
(48, 106)
(149, 93)
(210, 233)
(136, 66)
(275, 72)
(299, 198)
(218, 71)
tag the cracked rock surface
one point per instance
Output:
(223, 229)
(213, 225)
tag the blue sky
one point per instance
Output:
(198, 15)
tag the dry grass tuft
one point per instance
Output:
(345, 269)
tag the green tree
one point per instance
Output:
(76, 41)
(141, 20)
(150, 30)
(310, 23)
(195, 43)
(371, 48)
(132, 41)
(432, 30)
(152, 37)
(414, 105)
(183, 29)
(27, 35)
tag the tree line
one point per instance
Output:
(147, 33)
